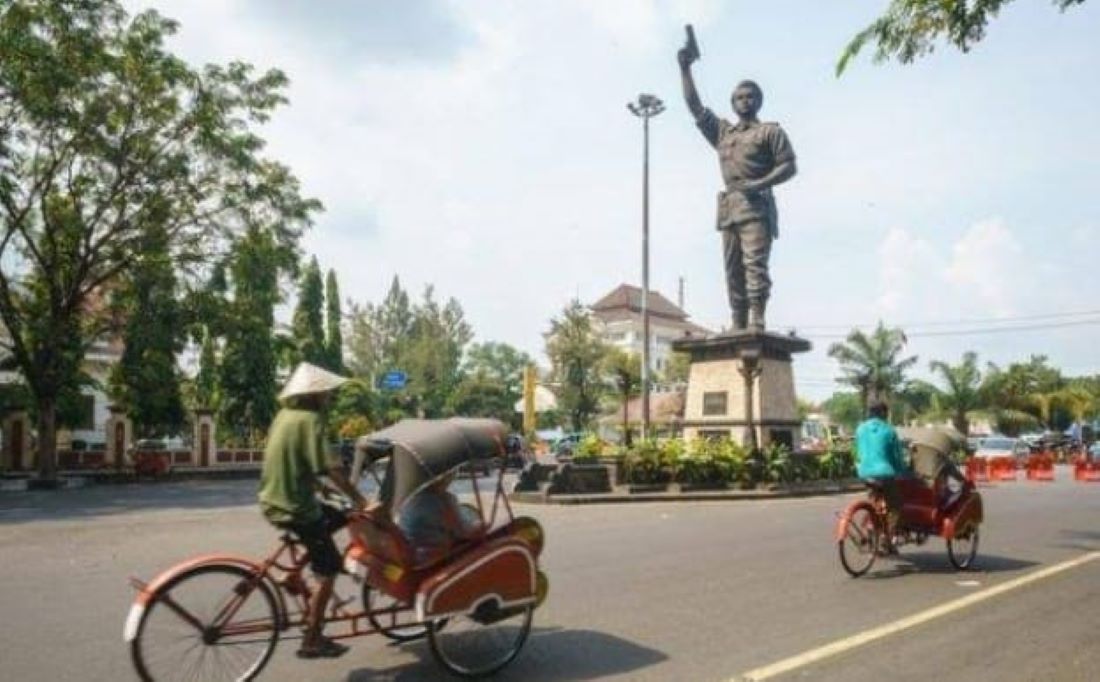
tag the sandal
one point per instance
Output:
(325, 648)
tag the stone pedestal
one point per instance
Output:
(17, 454)
(120, 434)
(203, 443)
(741, 386)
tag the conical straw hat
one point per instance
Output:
(308, 379)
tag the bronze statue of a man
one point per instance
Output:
(755, 156)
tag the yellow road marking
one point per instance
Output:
(868, 636)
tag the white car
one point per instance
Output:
(1003, 446)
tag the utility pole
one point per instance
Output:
(645, 108)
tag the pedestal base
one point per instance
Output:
(719, 400)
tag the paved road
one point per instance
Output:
(662, 591)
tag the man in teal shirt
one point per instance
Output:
(879, 459)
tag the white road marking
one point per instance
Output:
(868, 636)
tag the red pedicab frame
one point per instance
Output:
(224, 614)
(861, 527)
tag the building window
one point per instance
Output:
(714, 404)
(714, 434)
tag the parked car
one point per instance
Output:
(1003, 446)
(160, 443)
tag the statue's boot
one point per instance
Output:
(756, 317)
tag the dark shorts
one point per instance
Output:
(324, 559)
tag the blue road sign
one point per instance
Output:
(394, 379)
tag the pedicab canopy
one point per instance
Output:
(423, 450)
(931, 447)
(940, 439)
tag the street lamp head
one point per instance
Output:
(647, 106)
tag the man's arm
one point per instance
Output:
(691, 95)
(340, 481)
(781, 173)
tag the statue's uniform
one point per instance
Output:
(748, 221)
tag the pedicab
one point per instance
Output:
(929, 507)
(221, 615)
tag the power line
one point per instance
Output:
(979, 330)
(944, 323)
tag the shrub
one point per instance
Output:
(650, 463)
(837, 464)
(710, 460)
(353, 427)
(589, 449)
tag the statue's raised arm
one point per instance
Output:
(688, 54)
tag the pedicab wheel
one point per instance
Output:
(175, 636)
(859, 546)
(480, 643)
(400, 626)
(962, 549)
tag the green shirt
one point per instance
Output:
(293, 459)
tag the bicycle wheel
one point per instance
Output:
(859, 546)
(962, 549)
(177, 636)
(481, 643)
(400, 626)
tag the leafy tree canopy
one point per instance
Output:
(910, 28)
(106, 135)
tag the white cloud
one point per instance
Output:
(989, 265)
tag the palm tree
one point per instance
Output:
(961, 396)
(873, 363)
(624, 372)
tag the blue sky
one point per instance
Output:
(485, 148)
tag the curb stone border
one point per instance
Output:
(694, 496)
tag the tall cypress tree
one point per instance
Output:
(206, 382)
(308, 324)
(248, 383)
(146, 380)
(334, 338)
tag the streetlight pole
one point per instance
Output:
(645, 108)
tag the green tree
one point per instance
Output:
(146, 380)
(378, 335)
(677, 368)
(1021, 395)
(910, 28)
(432, 359)
(249, 362)
(491, 383)
(308, 322)
(576, 353)
(961, 392)
(106, 135)
(844, 408)
(873, 363)
(334, 336)
(915, 399)
(624, 375)
(206, 381)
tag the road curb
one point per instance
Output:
(696, 496)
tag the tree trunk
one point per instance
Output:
(47, 439)
(626, 422)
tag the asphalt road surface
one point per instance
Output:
(656, 591)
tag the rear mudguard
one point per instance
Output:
(969, 514)
(148, 591)
(503, 571)
(847, 514)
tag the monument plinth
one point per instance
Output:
(741, 386)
